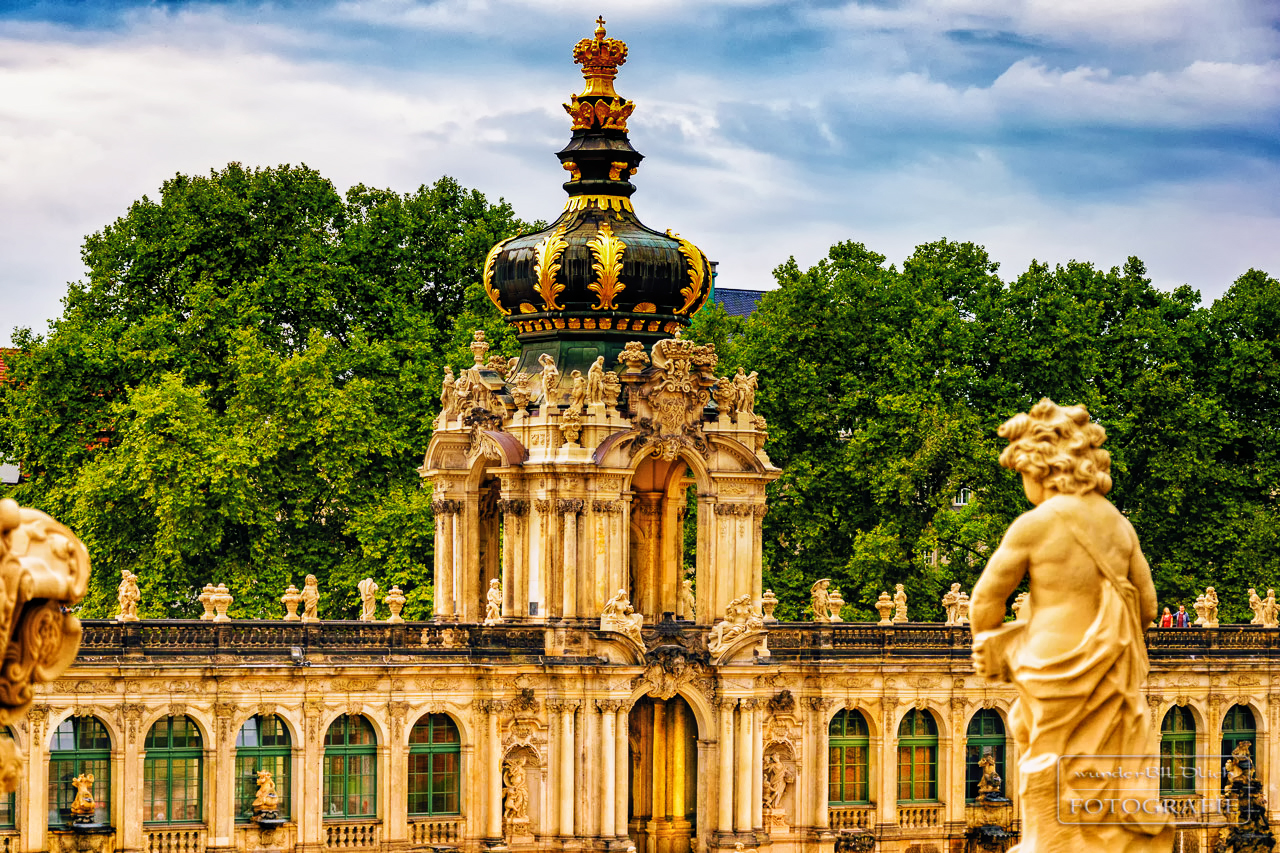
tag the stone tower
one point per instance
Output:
(566, 475)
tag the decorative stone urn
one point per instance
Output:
(291, 599)
(221, 600)
(395, 602)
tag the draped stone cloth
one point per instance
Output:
(1087, 701)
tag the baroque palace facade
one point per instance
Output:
(574, 690)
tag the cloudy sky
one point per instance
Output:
(1047, 129)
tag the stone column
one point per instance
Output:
(446, 512)
(34, 785)
(566, 769)
(676, 738)
(742, 821)
(570, 508)
(310, 811)
(508, 561)
(818, 707)
(608, 766)
(725, 822)
(757, 765)
(621, 770)
(493, 766)
(222, 826)
(395, 816)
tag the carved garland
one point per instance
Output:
(488, 275)
(608, 251)
(547, 266)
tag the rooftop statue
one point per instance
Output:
(129, 597)
(368, 604)
(1078, 680)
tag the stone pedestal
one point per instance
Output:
(83, 838)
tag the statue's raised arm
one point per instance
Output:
(1079, 662)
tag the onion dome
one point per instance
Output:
(597, 277)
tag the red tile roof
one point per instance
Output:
(4, 370)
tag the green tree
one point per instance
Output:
(242, 388)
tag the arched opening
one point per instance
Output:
(173, 772)
(984, 737)
(1178, 752)
(80, 745)
(918, 758)
(662, 817)
(350, 768)
(489, 548)
(435, 767)
(1238, 727)
(660, 546)
(263, 743)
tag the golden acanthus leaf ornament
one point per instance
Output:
(697, 272)
(608, 251)
(547, 266)
(488, 275)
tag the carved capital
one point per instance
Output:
(542, 505)
(570, 506)
(224, 709)
(607, 506)
(446, 507)
(513, 506)
(492, 706)
(609, 706)
(741, 510)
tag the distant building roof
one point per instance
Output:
(4, 370)
(737, 302)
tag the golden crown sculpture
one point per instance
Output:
(599, 105)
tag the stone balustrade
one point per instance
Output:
(852, 817)
(920, 817)
(176, 840)
(352, 835)
(435, 831)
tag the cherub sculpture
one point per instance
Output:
(83, 805)
(1079, 663)
(493, 603)
(266, 802)
(129, 597)
(311, 599)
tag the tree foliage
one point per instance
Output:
(242, 388)
(883, 389)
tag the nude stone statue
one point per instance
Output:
(266, 801)
(595, 382)
(515, 792)
(493, 603)
(1255, 604)
(1078, 664)
(776, 777)
(311, 599)
(949, 603)
(83, 805)
(899, 603)
(1270, 610)
(550, 380)
(129, 597)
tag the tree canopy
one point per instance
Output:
(883, 389)
(242, 388)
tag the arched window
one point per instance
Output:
(9, 802)
(1178, 752)
(262, 744)
(435, 755)
(1239, 726)
(848, 746)
(79, 745)
(350, 768)
(985, 735)
(172, 772)
(918, 758)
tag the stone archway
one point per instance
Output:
(663, 783)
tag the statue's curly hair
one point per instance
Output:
(1059, 447)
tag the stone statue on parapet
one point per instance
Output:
(1210, 608)
(1078, 665)
(448, 395)
(311, 600)
(1255, 605)
(741, 617)
(899, 603)
(493, 603)
(820, 600)
(368, 603)
(949, 601)
(550, 376)
(128, 596)
(595, 383)
(1270, 610)
(688, 601)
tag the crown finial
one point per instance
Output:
(599, 105)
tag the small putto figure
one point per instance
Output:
(311, 599)
(129, 597)
(493, 603)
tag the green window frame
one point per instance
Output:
(263, 743)
(79, 745)
(173, 772)
(918, 758)
(1239, 725)
(985, 734)
(1178, 752)
(848, 751)
(9, 803)
(435, 767)
(350, 769)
